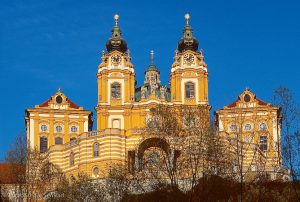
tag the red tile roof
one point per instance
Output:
(260, 102)
(72, 104)
(9, 172)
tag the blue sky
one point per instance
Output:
(46, 44)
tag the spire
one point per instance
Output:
(152, 57)
(188, 42)
(152, 66)
(116, 17)
(187, 18)
(116, 42)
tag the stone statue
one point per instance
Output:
(143, 92)
(153, 87)
(162, 92)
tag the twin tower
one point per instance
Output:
(123, 105)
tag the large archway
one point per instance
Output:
(137, 158)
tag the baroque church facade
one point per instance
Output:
(62, 130)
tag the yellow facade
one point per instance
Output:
(122, 108)
(257, 125)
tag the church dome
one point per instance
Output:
(187, 42)
(152, 67)
(116, 42)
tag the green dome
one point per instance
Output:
(152, 67)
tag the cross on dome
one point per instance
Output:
(116, 17)
(152, 56)
(187, 18)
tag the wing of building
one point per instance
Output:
(63, 130)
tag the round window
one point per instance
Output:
(233, 127)
(263, 126)
(247, 98)
(44, 127)
(248, 127)
(59, 99)
(74, 129)
(58, 128)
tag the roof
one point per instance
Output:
(64, 100)
(251, 98)
(234, 104)
(72, 104)
(9, 172)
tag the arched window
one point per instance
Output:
(96, 171)
(263, 143)
(58, 140)
(43, 144)
(116, 123)
(116, 90)
(96, 149)
(189, 90)
(72, 179)
(72, 159)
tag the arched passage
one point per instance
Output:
(153, 142)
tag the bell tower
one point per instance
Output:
(116, 79)
(189, 82)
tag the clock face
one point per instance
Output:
(116, 59)
(188, 58)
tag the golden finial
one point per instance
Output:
(116, 17)
(187, 18)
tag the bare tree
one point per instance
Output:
(290, 133)
(16, 158)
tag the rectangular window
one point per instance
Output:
(58, 140)
(189, 90)
(263, 143)
(43, 144)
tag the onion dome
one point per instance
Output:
(188, 42)
(116, 42)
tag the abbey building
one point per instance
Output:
(64, 131)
